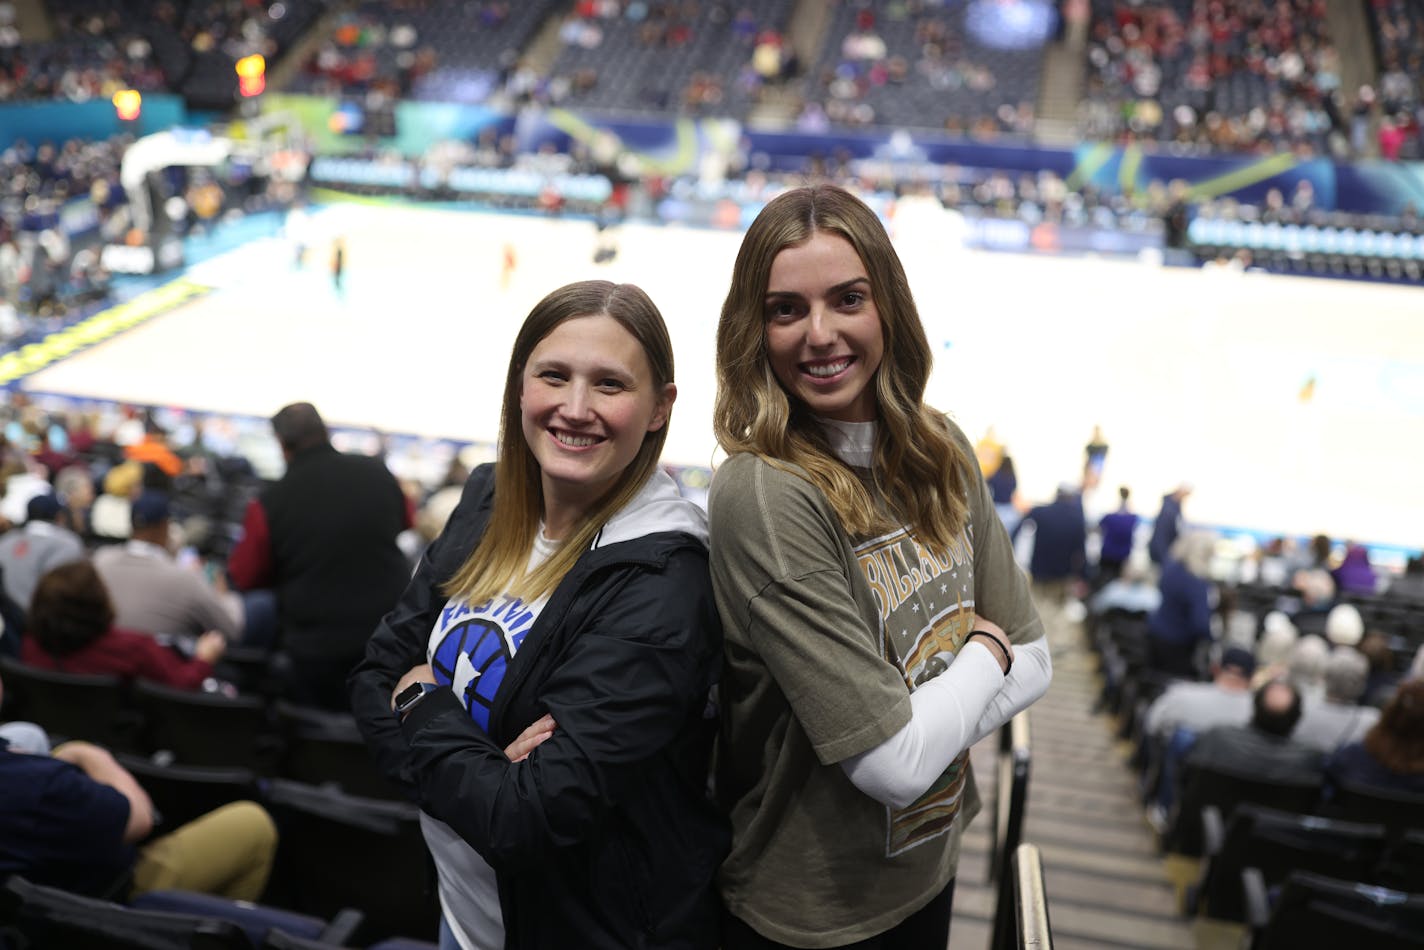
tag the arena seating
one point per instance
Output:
(895, 68)
(1397, 26)
(181, 793)
(1234, 76)
(386, 871)
(1318, 911)
(671, 60)
(437, 52)
(98, 46)
(161, 920)
(1276, 843)
(304, 763)
(208, 728)
(103, 45)
(71, 705)
(1239, 840)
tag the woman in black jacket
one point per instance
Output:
(543, 683)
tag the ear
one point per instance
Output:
(664, 407)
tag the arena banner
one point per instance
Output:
(1011, 234)
(337, 127)
(716, 149)
(414, 179)
(157, 254)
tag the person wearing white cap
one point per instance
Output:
(1344, 626)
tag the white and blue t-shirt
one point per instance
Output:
(470, 649)
(472, 644)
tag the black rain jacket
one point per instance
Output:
(605, 836)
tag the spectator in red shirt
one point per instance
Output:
(71, 628)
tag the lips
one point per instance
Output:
(827, 369)
(575, 440)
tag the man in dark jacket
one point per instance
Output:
(1168, 524)
(324, 537)
(1059, 541)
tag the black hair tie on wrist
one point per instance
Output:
(1003, 651)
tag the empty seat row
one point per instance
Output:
(189, 728)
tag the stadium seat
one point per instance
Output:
(94, 707)
(326, 748)
(278, 940)
(255, 920)
(1396, 809)
(1276, 843)
(1314, 911)
(1201, 787)
(181, 793)
(1402, 866)
(208, 728)
(384, 868)
(50, 917)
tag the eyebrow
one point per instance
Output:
(830, 291)
(620, 372)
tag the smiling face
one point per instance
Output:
(823, 332)
(587, 398)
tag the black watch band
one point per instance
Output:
(407, 698)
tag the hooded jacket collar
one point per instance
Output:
(658, 507)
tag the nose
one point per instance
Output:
(577, 404)
(820, 330)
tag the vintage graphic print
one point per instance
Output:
(926, 605)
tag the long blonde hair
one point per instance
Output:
(500, 561)
(919, 471)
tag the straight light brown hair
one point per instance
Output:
(919, 472)
(500, 561)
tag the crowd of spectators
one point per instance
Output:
(98, 47)
(413, 49)
(44, 272)
(915, 64)
(1292, 664)
(908, 64)
(628, 55)
(1194, 75)
(130, 486)
(1215, 75)
(57, 205)
(93, 54)
(670, 57)
(1399, 45)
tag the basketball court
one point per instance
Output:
(1294, 405)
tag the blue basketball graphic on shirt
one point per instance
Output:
(475, 681)
(471, 647)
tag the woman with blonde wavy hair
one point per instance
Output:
(542, 685)
(875, 622)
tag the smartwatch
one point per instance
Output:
(407, 698)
